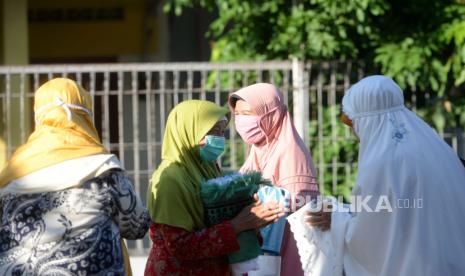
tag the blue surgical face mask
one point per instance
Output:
(213, 148)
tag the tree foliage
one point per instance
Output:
(420, 43)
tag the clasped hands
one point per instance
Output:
(257, 215)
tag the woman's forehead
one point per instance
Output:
(243, 105)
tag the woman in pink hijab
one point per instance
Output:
(276, 149)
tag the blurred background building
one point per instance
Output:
(85, 31)
(96, 31)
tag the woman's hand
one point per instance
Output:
(320, 219)
(257, 215)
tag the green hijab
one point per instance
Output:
(173, 196)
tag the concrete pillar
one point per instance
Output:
(15, 32)
(14, 50)
(300, 100)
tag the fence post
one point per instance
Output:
(300, 99)
(459, 133)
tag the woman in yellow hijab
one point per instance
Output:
(65, 201)
(182, 243)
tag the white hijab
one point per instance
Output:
(64, 175)
(403, 160)
(401, 157)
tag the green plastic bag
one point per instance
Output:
(223, 198)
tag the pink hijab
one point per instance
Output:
(284, 158)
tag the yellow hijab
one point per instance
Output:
(173, 196)
(64, 131)
(55, 138)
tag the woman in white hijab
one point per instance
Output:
(413, 186)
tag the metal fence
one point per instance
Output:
(132, 101)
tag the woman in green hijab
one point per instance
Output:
(182, 244)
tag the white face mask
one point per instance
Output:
(67, 107)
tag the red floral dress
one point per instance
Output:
(176, 251)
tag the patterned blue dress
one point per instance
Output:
(71, 232)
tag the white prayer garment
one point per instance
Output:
(409, 195)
